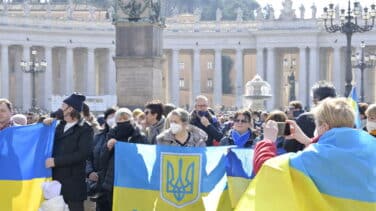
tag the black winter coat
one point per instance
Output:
(213, 131)
(132, 135)
(71, 149)
(93, 164)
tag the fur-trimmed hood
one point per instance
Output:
(197, 137)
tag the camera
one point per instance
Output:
(283, 129)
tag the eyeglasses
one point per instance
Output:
(202, 106)
(147, 112)
(241, 121)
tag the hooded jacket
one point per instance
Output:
(197, 137)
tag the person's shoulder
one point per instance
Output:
(84, 124)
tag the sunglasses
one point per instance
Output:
(241, 121)
(147, 112)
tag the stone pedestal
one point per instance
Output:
(138, 63)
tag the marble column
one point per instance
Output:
(69, 80)
(313, 65)
(174, 80)
(260, 62)
(111, 74)
(4, 71)
(239, 87)
(48, 78)
(302, 80)
(91, 73)
(26, 79)
(217, 83)
(196, 76)
(336, 71)
(270, 78)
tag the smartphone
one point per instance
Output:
(283, 129)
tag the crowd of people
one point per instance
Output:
(83, 154)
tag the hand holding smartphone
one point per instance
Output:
(283, 129)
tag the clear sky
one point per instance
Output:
(320, 4)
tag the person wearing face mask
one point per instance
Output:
(72, 147)
(202, 118)
(94, 170)
(330, 114)
(241, 135)
(125, 130)
(336, 172)
(180, 132)
(371, 119)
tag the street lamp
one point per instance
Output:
(349, 25)
(290, 64)
(34, 66)
(362, 62)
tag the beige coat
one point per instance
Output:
(197, 137)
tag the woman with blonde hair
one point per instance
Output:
(336, 172)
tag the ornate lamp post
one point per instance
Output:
(34, 66)
(349, 25)
(290, 64)
(363, 62)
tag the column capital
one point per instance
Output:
(218, 50)
(5, 44)
(313, 47)
(239, 48)
(270, 48)
(90, 49)
(197, 50)
(336, 47)
(175, 49)
(69, 47)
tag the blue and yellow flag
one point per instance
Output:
(353, 100)
(156, 177)
(23, 152)
(337, 173)
(239, 170)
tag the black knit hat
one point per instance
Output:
(75, 101)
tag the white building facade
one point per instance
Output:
(79, 54)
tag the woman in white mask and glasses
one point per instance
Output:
(180, 132)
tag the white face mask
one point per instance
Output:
(111, 122)
(175, 128)
(371, 126)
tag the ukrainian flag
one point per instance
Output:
(23, 151)
(353, 100)
(157, 177)
(337, 173)
(239, 171)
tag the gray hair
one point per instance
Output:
(122, 112)
(181, 113)
(202, 97)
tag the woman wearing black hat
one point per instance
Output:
(72, 146)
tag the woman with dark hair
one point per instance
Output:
(241, 135)
(281, 117)
(95, 171)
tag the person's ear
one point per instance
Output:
(325, 126)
